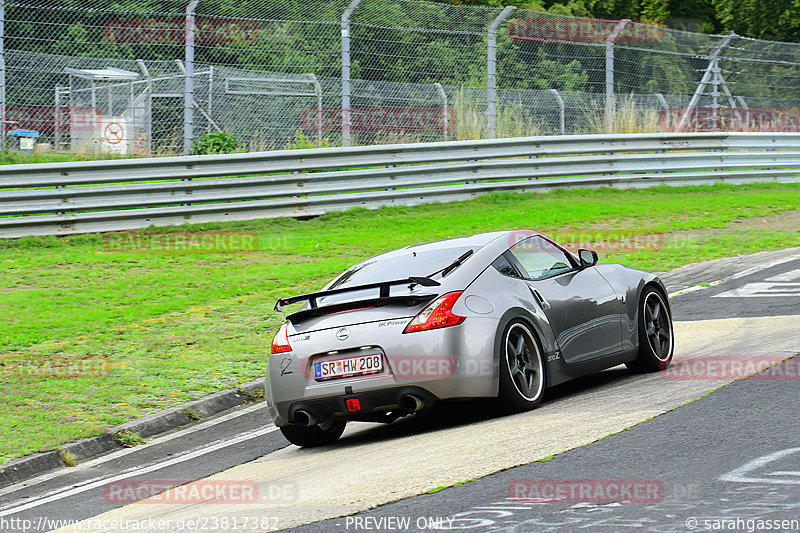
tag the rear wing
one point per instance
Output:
(383, 298)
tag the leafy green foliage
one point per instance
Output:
(302, 141)
(217, 142)
(128, 439)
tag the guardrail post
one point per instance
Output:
(188, 80)
(560, 102)
(610, 73)
(445, 111)
(346, 70)
(491, 71)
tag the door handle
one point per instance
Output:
(539, 298)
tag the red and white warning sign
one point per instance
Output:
(114, 133)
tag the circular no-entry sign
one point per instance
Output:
(114, 133)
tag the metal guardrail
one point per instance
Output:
(82, 197)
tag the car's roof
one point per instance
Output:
(476, 241)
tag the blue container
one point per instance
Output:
(22, 140)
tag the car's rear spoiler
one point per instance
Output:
(383, 297)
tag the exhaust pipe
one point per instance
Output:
(304, 418)
(410, 403)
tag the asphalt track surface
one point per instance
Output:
(728, 458)
(686, 450)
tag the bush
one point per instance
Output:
(217, 142)
(301, 142)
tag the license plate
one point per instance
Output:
(352, 366)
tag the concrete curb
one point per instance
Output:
(155, 424)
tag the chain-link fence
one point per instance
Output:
(150, 77)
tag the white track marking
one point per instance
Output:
(154, 441)
(686, 290)
(739, 475)
(791, 276)
(738, 275)
(139, 471)
(761, 289)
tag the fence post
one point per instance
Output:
(56, 119)
(713, 58)
(188, 80)
(346, 70)
(2, 75)
(491, 71)
(610, 73)
(210, 95)
(445, 112)
(318, 94)
(560, 102)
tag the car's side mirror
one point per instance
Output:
(588, 258)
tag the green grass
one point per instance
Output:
(157, 329)
(128, 439)
(443, 487)
(17, 158)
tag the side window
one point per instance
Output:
(540, 258)
(505, 267)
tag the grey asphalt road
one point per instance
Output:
(242, 438)
(684, 454)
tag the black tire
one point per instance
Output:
(656, 336)
(316, 435)
(522, 378)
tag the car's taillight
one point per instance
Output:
(280, 344)
(438, 314)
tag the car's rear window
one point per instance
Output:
(411, 262)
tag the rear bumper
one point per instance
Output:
(370, 402)
(447, 363)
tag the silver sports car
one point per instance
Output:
(496, 315)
